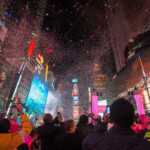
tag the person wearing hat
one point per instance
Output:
(120, 136)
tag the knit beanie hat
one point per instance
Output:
(83, 119)
(122, 113)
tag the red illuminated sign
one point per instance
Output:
(40, 57)
(102, 108)
(49, 51)
(31, 48)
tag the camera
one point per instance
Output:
(90, 115)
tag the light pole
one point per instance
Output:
(22, 68)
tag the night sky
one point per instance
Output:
(77, 27)
(74, 36)
(72, 31)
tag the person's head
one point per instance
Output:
(83, 119)
(69, 126)
(47, 118)
(4, 126)
(2, 76)
(56, 120)
(122, 113)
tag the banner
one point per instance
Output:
(6, 76)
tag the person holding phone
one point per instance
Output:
(120, 136)
(108, 109)
(10, 141)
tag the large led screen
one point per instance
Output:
(51, 105)
(37, 96)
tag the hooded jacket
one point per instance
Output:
(93, 136)
(68, 141)
(10, 141)
(116, 139)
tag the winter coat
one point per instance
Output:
(116, 139)
(141, 134)
(47, 133)
(10, 141)
(68, 141)
(83, 129)
(93, 136)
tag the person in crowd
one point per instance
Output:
(59, 124)
(145, 133)
(23, 146)
(47, 132)
(29, 143)
(83, 127)
(9, 141)
(35, 141)
(97, 131)
(69, 140)
(137, 125)
(120, 136)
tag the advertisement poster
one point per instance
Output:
(6, 76)
(76, 112)
(37, 96)
(75, 90)
(102, 105)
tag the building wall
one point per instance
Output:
(125, 20)
(129, 77)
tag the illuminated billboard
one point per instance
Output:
(75, 103)
(37, 96)
(75, 98)
(76, 112)
(75, 90)
(74, 80)
(51, 105)
(102, 105)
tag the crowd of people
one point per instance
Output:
(116, 131)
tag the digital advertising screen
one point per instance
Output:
(51, 105)
(75, 98)
(76, 112)
(102, 105)
(37, 96)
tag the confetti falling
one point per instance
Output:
(72, 36)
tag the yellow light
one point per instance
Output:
(96, 65)
(42, 60)
(46, 73)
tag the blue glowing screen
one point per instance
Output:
(74, 80)
(37, 96)
(75, 98)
